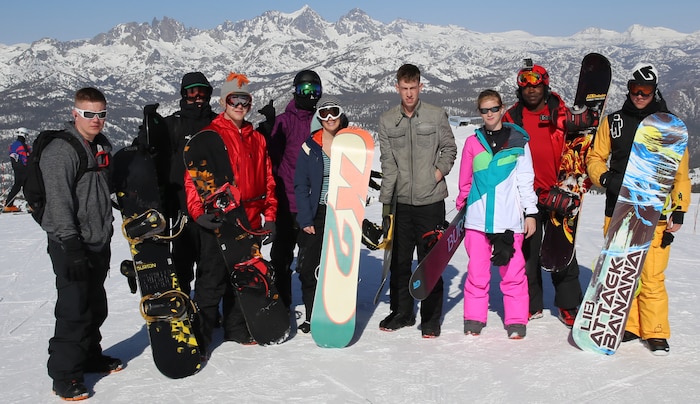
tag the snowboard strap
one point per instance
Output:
(174, 304)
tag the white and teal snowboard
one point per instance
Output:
(659, 144)
(335, 301)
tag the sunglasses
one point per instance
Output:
(495, 109)
(192, 94)
(308, 90)
(643, 90)
(235, 100)
(91, 114)
(332, 112)
(529, 78)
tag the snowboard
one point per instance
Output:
(430, 269)
(659, 144)
(558, 244)
(387, 244)
(335, 300)
(169, 313)
(207, 162)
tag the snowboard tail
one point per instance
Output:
(658, 147)
(333, 315)
(430, 269)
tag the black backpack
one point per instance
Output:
(34, 190)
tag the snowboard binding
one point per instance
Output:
(152, 225)
(166, 306)
(254, 274)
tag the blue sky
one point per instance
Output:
(30, 20)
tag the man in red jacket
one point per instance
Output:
(252, 170)
(543, 115)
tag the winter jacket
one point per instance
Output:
(547, 131)
(308, 179)
(411, 149)
(252, 171)
(292, 128)
(497, 188)
(19, 152)
(83, 209)
(182, 125)
(614, 139)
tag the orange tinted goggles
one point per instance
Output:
(643, 90)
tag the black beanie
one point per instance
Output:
(193, 79)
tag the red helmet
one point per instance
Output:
(533, 76)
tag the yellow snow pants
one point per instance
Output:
(648, 316)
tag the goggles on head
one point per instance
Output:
(329, 112)
(235, 100)
(308, 90)
(92, 114)
(529, 77)
(643, 90)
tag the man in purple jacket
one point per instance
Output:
(291, 129)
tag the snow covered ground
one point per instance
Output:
(378, 367)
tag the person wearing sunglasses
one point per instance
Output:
(417, 151)
(311, 179)
(606, 164)
(78, 221)
(496, 184)
(194, 114)
(290, 131)
(546, 119)
(252, 171)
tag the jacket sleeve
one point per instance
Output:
(390, 169)
(270, 212)
(680, 194)
(466, 171)
(447, 149)
(302, 189)
(195, 206)
(526, 182)
(597, 158)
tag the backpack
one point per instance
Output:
(34, 190)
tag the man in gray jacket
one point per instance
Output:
(78, 222)
(417, 151)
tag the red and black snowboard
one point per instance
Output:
(558, 244)
(169, 313)
(207, 163)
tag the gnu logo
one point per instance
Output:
(616, 126)
(645, 73)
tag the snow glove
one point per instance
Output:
(502, 244)
(611, 180)
(271, 232)
(209, 221)
(77, 262)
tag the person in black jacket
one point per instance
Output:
(195, 113)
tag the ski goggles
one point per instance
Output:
(529, 77)
(484, 111)
(642, 90)
(308, 90)
(330, 112)
(235, 100)
(194, 93)
(101, 115)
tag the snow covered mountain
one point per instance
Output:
(356, 56)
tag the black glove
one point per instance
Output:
(76, 259)
(386, 209)
(268, 111)
(667, 239)
(209, 221)
(561, 201)
(611, 180)
(502, 247)
(272, 232)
